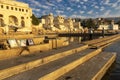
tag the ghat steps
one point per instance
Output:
(13, 66)
(55, 64)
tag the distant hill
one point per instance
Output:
(116, 19)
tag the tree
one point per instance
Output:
(83, 23)
(35, 20)
(90, 23)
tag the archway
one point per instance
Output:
(1, 15)
(1, 20)
(23, 23)
(13, 21)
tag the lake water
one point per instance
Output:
(114, 72)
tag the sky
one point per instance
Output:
(75, 8)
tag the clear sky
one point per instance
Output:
(75, 8)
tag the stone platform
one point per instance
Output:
(57, 63)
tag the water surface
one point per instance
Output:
(114, 72)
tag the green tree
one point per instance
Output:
(35, 20)
(83, 23)
(90, 23)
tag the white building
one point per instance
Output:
(111, 26)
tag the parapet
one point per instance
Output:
(14, 3)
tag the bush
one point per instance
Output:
(35, 20)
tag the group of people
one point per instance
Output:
(90, 32)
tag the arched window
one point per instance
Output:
(1, 15)
(22, 23)
(1, 22)
(22, 17)
(13, 20)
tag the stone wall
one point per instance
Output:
(16, 37)
(38, 40)
(13, 52)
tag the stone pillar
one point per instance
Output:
(6, 19)
(19, 21)
(6, 22)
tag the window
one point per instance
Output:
(26, 10)
(19, 9)
(11, 8)
(1, 22)
(1, 15)
(22, 17)
(16, 9)
(1, 6)
(22, 23)
(22, 10)
(7, 7)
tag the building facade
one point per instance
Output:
(13, 13)
(78, 27)
(59, 23)
(69, 24)
(48, 21)
(111, 26)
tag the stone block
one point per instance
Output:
(38, 40)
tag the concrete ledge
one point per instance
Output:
(26, 66)
(104, 69)
(4, 54)
(61, 71)
(16, 37)
(93, 69)
(56, 43)
(104, 43)
(9, 53)
(101, 39)
(40, 47)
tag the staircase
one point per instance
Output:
(74, 62)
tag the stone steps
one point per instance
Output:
(91, 42)
(53, 64)
(103, 43)
(14, 66)
(89, 70)
(57, 68)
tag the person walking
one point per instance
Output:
(85, 33)
(90, 33)
(103, 32)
